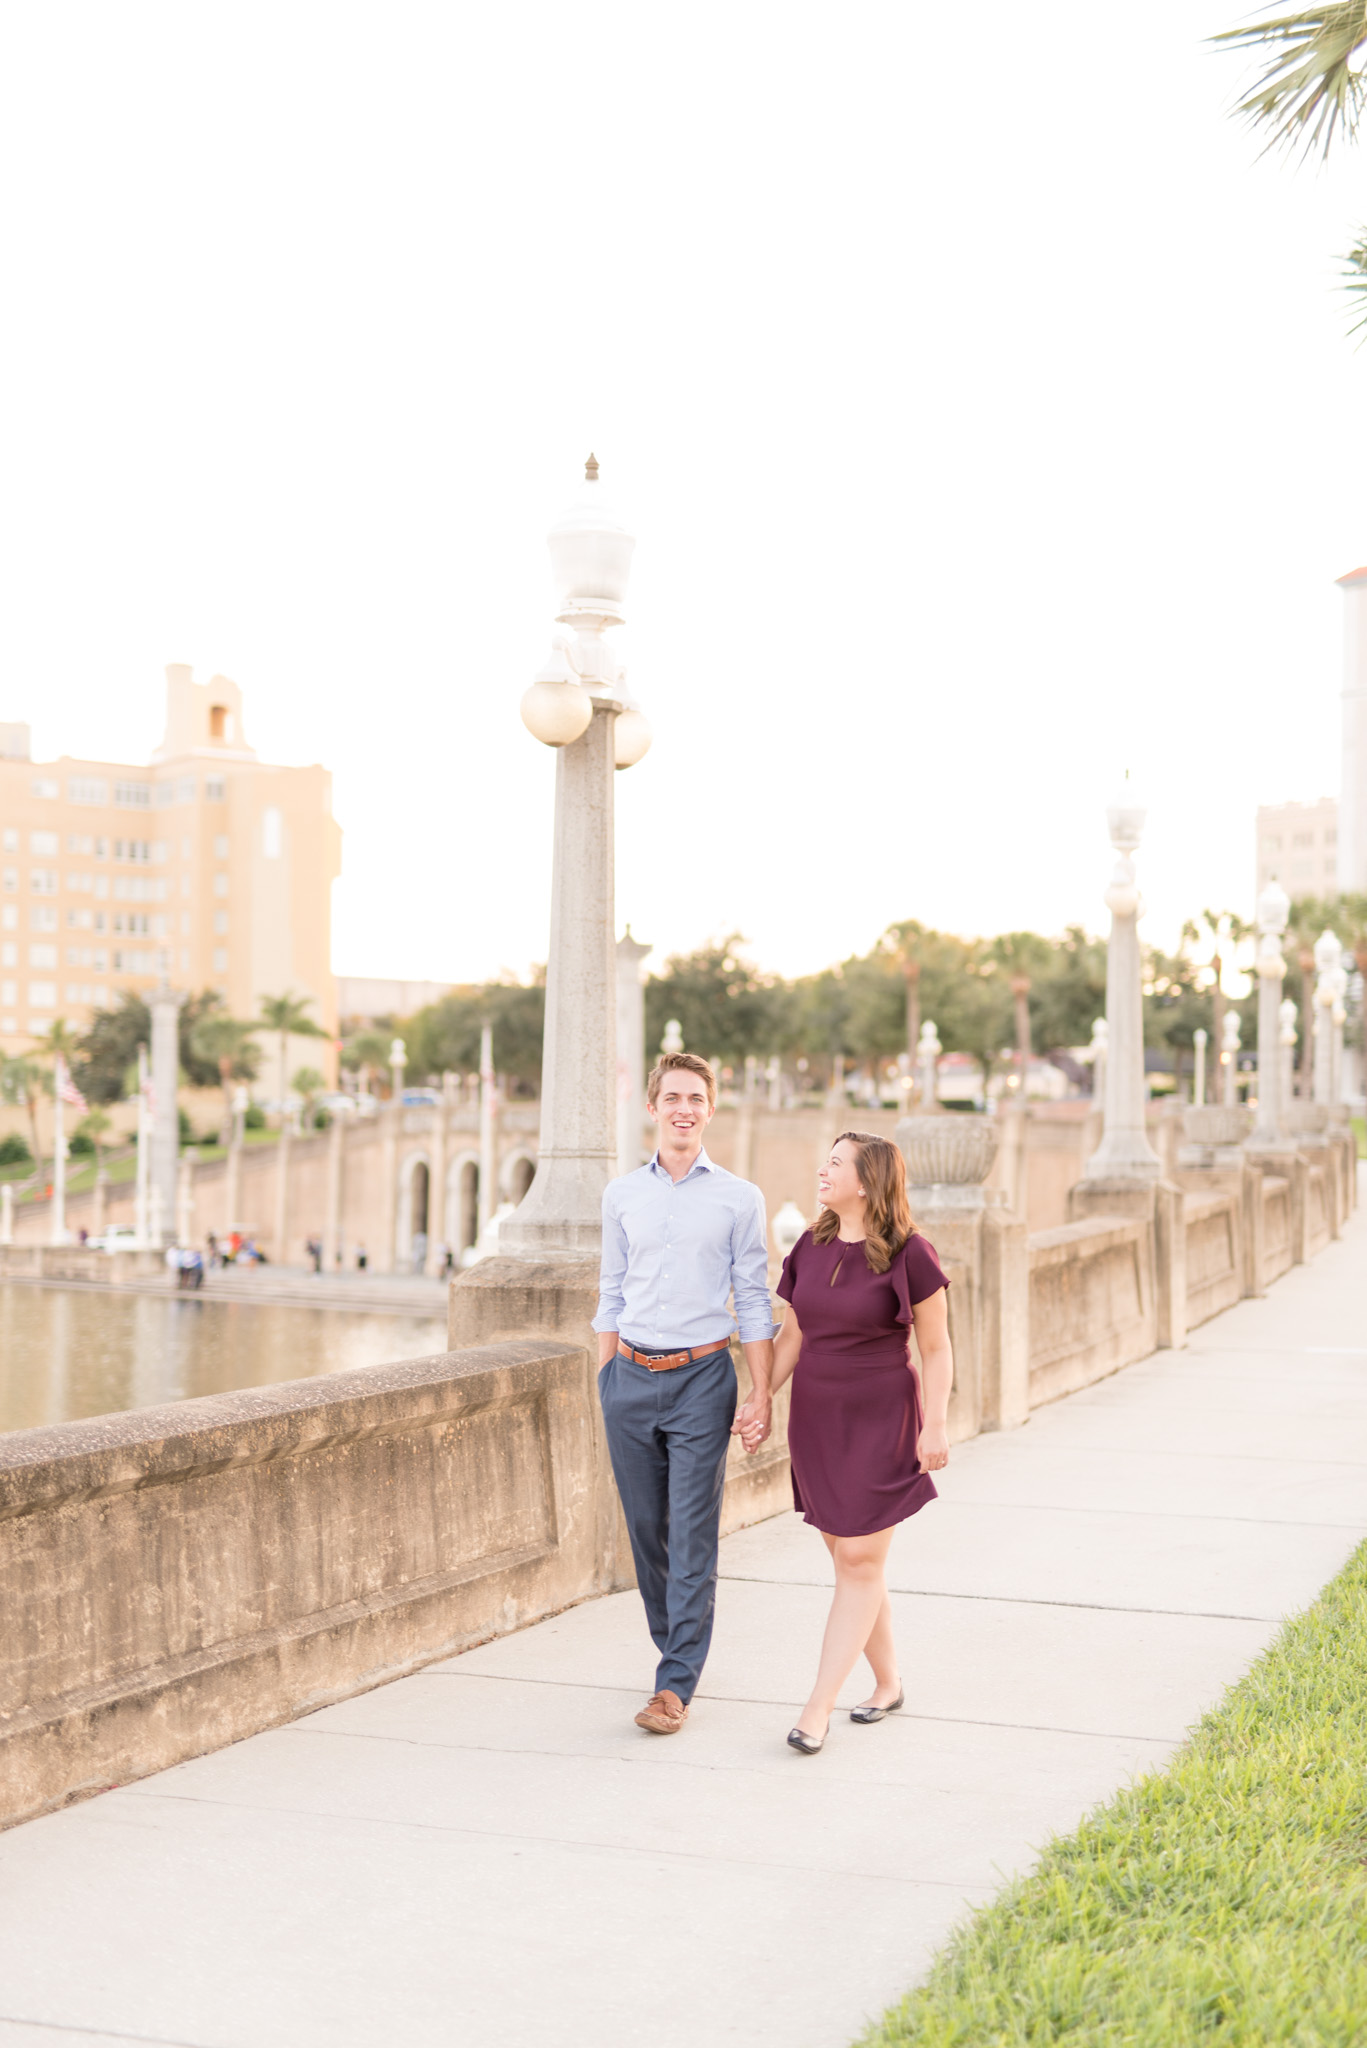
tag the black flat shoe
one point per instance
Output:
(810, 1745)
(865, 1716)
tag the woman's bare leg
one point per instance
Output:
(881, 1651)
(860, 1595)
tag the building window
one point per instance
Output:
(163, 795)
(99, 920)
(185, 790)
(271, 833)
(185, 924)
(220, 723)
(78, 920)
(220, 959)
(214, 789)
(42, 995)
(44, 881)
(133, 796)
(11, 878)
(9, 957)
(48, 792)
(1302, 839)
(220, 922)
(220, 846)
(9, 993)
(9, 918)
(80, 885)
(78, 842)
(220, 885)
(102, 886)
(46, 845)
(84, 789)
(133, 849)
(11, 839)
(42, 917)
(42, 956)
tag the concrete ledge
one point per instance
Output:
(172, 1579)
(1093, 1303)
(74, 1262)
(1214, 1254)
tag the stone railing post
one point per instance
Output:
(928, 1050)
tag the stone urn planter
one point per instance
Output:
(1217, 1123)
(1308, 1120)
(947, 1151)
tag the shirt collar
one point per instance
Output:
(702, 1164)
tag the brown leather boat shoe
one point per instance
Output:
(665, 1714)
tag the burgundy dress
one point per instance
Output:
(856, 1406)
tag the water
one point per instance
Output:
(65, 1354)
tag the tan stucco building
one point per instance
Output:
(208, 867)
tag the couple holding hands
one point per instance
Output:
(681, 1237)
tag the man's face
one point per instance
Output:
(681, 1109)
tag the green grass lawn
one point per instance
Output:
(1221, 1900)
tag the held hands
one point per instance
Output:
(752, 1422)
(932, 1448)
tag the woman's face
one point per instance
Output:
(838, 1182)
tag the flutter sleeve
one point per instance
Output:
(787, 1279)
(916, 1274)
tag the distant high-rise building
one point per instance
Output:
(1297, 845)
(1352, 845)
(208, 868)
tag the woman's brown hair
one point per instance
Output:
(887, 1216)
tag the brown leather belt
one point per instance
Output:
(672, 1360)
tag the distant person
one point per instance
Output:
(681, 1239)
(862, 1439)
(212, 1242)
(314, 1248)
(419, 1250)
(192, 1269)
(446, 1262)
(360, 1258)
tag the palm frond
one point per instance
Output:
(1311, 90)
(1355, 282)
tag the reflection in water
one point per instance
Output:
(65, 1353)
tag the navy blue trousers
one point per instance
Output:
(668, 1433)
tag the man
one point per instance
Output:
(680, 1235)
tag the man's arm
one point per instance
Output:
(611, 1274)
(754, 1310)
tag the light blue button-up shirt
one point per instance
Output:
(673, 1251)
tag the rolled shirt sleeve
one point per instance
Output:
(750, 1269)
(613, 1269)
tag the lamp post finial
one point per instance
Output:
(591, 469)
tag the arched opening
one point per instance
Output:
(467, 1206)
(518, 1175)
(411, 1214)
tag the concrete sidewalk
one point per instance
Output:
(490, 1853)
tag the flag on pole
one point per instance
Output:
(67, 1088)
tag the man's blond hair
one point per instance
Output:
(686, 1063)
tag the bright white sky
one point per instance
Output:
(981, 400)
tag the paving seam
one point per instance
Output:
(727, 1699)
(11, 2019)
(1007, 1599)
(574, 1843)
(673, 1760)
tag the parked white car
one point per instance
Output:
(120, 1237)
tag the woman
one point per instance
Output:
(862, 1448)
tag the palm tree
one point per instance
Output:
(1225, 930)
(231, 1046)
(309, 1084)
(1309, 91)
(366, 1051)
(22, 1081)
(1021, 954)
(288, 1017)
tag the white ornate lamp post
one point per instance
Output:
(164, 1004)
(1273, 910)
(928, 1050)
(1124, 1152)
(631, 1050)
(1229, 1060)
(579, 706)
(1329, 969)
(1200, 1039)
(1287, 1037)
(1098, 1051)
(673, 1042)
